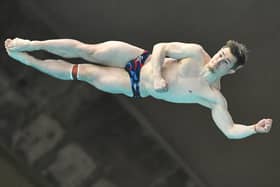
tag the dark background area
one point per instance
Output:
(252, 93)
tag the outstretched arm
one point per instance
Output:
(232, 130)
(176, 50)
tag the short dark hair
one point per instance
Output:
(239, 50)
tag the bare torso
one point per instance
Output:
(185, 83)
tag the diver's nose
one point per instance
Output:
(217, 63)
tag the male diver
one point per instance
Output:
(174, 71)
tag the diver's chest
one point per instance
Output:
(190, 86)
(187, 90)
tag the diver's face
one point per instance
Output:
(222, 62)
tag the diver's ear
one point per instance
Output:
(231, 71)
(239, 67)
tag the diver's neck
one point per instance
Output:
(211, 77)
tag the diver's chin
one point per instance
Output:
(212, 70)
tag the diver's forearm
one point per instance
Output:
(239, 131)
(158, 56)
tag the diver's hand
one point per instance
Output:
(263, 126)
(160, 84)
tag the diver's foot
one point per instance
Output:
(17, 44)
